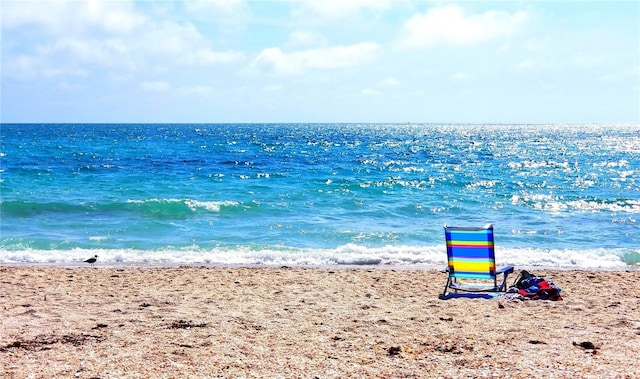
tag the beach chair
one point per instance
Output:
(471, 262)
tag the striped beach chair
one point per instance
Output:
(471, 261)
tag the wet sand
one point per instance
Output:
(207, 322)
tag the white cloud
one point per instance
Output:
(213, 7)
(630, 75)
(302, 38)
(85, 50)
(117, 17)
(20, 66)
(49, 15)
(527, 65)
(371, 92)
(274, 60)
(103, 34)
(344, 8)
(206, 56)
(158, 86)
(389, 82)
(198, 91)
(66, 86)
(460, 76)
(25, 66)
(272, 88)
(169, 38)
(63, 72)
(452, 26)
(222, 13)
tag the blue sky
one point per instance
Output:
(320, 61)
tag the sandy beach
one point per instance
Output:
(211, 322)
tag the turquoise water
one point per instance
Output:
(317, 194)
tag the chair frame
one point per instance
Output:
(484, 253)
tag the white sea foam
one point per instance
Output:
(483, 184)
(350, 254)
(551, 203)
(211, 206)
(154, 200)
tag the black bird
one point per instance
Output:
(92, 260)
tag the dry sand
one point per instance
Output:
(203, 322)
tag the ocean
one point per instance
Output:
(561, 196)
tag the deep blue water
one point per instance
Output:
(317, 194)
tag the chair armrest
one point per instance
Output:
(506, 269)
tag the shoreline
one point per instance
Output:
(194, 321)
(405, 267)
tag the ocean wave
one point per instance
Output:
(154, 208)
(192, 205)
(551, 203)
(400, 256)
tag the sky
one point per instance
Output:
(361, 61)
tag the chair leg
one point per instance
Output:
(503, 286)
(446, 287)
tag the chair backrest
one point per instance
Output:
(470, 252)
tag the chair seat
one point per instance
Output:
(474, 287)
